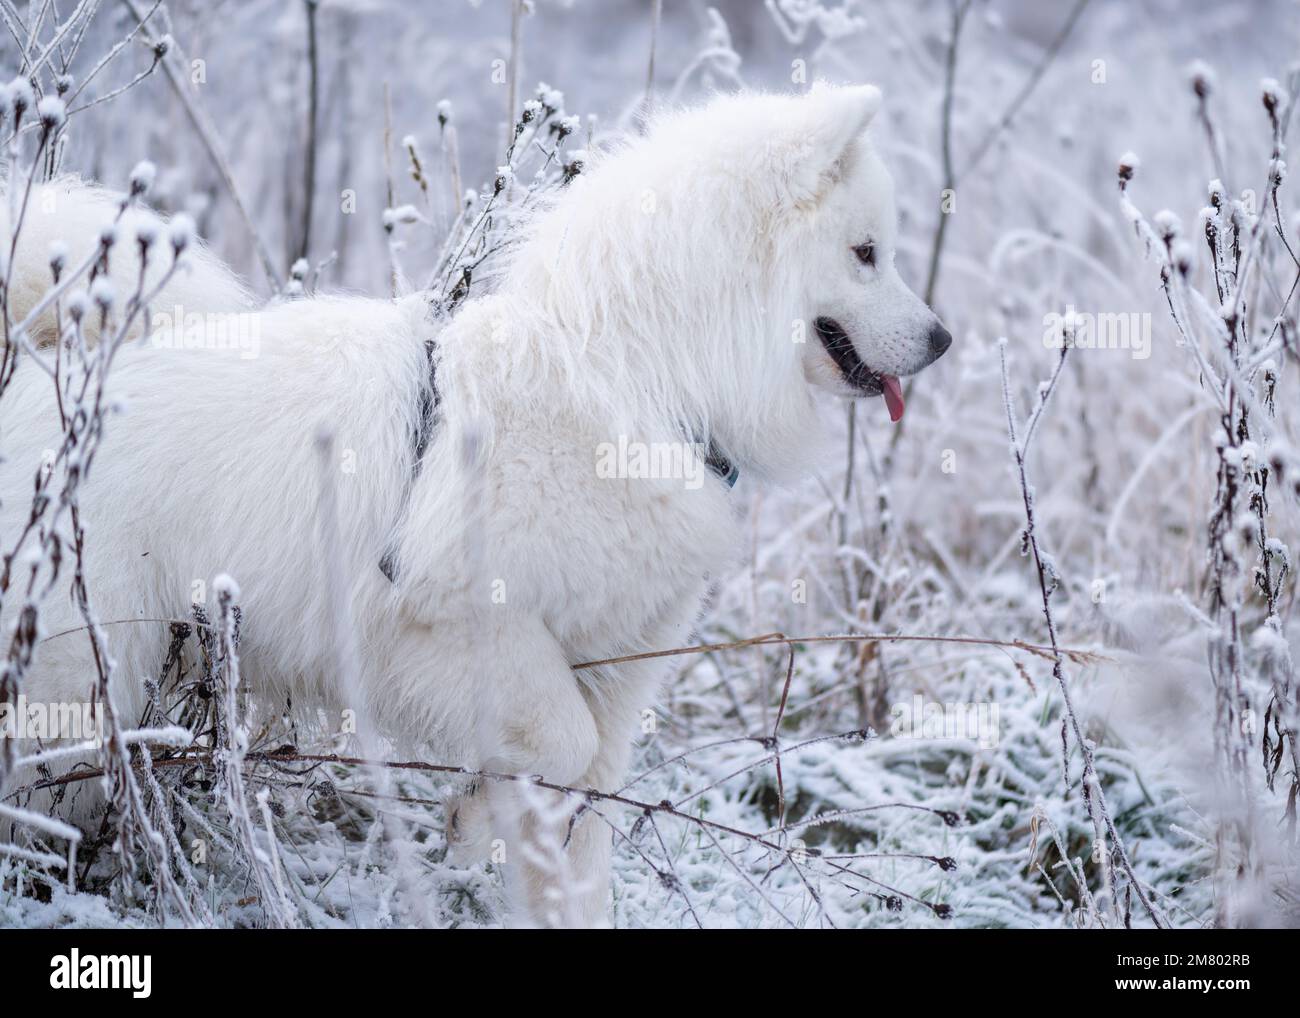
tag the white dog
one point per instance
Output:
(662, 303)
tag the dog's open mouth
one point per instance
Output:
(855, 372)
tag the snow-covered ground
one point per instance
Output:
(1006, 150)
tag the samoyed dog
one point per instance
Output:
(494, 520)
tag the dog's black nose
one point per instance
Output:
(940, 340)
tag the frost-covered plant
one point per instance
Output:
(1109, 846)
(49, 550)
(1236, 318)
(538, 159)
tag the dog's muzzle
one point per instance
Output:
(845, 355)
(862, 378)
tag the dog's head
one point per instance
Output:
(870, 328)
(725, 266)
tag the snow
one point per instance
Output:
(102, 293)
(402, 214)
(225, 587)
(181, 231)
(52, 112)
(142, 177)
(21, 95)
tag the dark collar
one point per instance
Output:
(721, 466)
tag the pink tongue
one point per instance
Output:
(893, 397)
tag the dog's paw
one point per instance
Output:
(469, 828)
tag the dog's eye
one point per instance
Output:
(866, 253)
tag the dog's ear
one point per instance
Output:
(834, 119)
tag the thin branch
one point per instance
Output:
(1027, 89)
(208, 135)
(313, 102)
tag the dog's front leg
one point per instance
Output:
(589, 839)
(621, 712)
(529, 718)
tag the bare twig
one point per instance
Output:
(207, 133)
(313, 100)
(1094, 796)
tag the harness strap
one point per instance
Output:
(429, 400)
(419, 443)
(717, 463)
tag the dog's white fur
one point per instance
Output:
(668, 294)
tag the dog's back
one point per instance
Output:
(71, 219)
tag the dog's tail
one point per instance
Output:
(70, 217)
